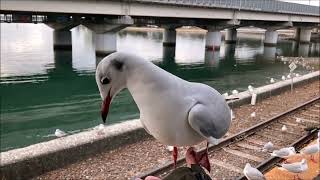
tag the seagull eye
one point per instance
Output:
(105, 81)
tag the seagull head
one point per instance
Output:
(111, 79)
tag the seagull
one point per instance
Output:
(289, 76)
(284, 128)
(267, 147)
(283, 78)
(234, 92)
(250, 88)
(225, 95)
(252, 173)
(100, 127)
(284, 152)
(272, 80)
(298, 120)
(297, 75)
(174, 111)
(59, 133)
(253, 114)
(312, 149)
(297, 167)
(170, 148)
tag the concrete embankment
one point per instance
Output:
(39, 158)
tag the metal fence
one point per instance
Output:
(254, 5)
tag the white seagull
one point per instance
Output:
(284, 128)
(59, 133)
(297, 167)
(272, 80)
(312, 149)
(174, 111)
(284, 152)
(253, 114)
(283, 78)
(250, 88)
(252, 173)
(267, 147)
(235, 92)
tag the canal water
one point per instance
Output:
(43, 90)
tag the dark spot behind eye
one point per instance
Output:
(105, 81)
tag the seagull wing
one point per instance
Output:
(209, 125)
(254, 173)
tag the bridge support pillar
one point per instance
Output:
(169, 43)
(303, 35)
(231, 36)
(271, 38)
(213, 40)
(106, 43)
(62, 39)
(169, 37)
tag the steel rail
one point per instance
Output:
(232, 139)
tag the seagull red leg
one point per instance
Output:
(203, 159)
(175, 156)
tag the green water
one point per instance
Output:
(42, 89)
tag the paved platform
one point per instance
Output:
(313, 171)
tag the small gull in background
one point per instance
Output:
(298, 120)
(169, 148)
(284, 128)
(225, 95)
(272, 80)
(289, 76)
(100, 127)
(267, 147)
(284, 152)
(250, 88)
(234, 92)
(283, 78)
(252, 173)
(253, 114)
(297, 167)
(59, 133)
(297, 75)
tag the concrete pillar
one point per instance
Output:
(169, 37)
(231, 36)
(212, 58)
(169, 43)
(269, 52)
(62, 39)
(213, 40)
(303, 50)
(106, 43)
(303, 35)
(270, 38)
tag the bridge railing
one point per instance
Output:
(255, 5)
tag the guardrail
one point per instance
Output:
(254, 5)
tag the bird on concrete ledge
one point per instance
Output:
(174, 111)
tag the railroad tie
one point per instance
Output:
(225, 165)
(243, 155)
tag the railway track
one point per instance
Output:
(230, 156)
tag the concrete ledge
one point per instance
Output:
(36, 159)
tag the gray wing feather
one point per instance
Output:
(207, 123)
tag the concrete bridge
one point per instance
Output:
(106, 18)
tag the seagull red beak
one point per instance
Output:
(105, 107)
